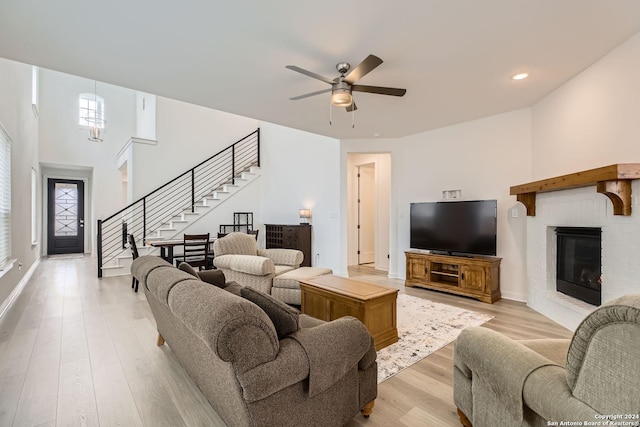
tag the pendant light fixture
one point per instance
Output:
(95, 119)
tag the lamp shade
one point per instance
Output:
(305, 214)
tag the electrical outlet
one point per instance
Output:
(514, 212)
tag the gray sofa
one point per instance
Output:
(503, 382)
(257, 361)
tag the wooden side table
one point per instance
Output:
(330, 297)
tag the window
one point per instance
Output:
(91, 111)
(5, 197)
(35, 89)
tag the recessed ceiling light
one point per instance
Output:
(520, 76)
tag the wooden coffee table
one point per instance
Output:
(329, 297)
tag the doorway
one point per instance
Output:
(368, 209)
(65, 216)
(366, 214)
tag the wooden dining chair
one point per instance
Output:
(253, 233)
(196, 251)
(134, 254)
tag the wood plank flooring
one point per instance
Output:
(76, 350)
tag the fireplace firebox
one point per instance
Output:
(579, 263)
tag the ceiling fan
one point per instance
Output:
(343, 86)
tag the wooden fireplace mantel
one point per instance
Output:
(613, 181)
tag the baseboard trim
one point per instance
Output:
(512, 296)
(18, 289)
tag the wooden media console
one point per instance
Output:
(476, 277)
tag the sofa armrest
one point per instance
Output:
(547, 393)
(289, 367)
(500, 362)
(332, 349)
(255, 265)
(292, 257)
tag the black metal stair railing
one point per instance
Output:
(146, 215)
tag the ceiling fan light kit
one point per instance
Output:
(341, 95)
(343, 86)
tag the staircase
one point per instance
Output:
(167, 211)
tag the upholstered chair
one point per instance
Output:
(499, 381)
(238, 256)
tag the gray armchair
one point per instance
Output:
(503, 382)
(239, 257)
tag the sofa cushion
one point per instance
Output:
(281, 269)
(161, 281)
(285, 318)
(290, 279)
(145, 264)
(235, 243)
(233, 287)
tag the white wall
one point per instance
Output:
(64, 145)
(483, 158)
(18, 119)
(301, 170)
(187, 134)
(593, 120)
(145, 116)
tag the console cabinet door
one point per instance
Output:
(472, 278)
(418, 269)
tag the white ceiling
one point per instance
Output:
(454, 57)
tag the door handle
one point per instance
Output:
(81, 222)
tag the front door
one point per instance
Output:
(65, 216)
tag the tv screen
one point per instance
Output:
(465, 227)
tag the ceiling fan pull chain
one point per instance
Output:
(353, 118)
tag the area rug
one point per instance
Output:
(423, 327)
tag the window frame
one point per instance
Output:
(6, 263)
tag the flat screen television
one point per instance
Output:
(458, 227)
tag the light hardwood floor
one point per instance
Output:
(76, 350)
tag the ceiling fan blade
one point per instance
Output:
(379, 90)
(366, 66)
(310, 74)
(351, 107)
(306, 95)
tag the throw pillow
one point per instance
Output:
(213, 277)
(284, 318)
(233, 287)
(186, 267)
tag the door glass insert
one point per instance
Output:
(66, 203)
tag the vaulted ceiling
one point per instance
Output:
(454, 57)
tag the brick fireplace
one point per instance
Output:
(580, 207)
(584, 199)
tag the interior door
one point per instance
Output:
(366, 214)
(65, 216)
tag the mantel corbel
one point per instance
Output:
(613, 181)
